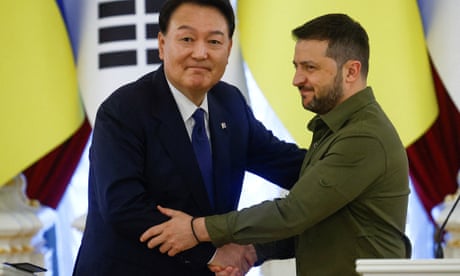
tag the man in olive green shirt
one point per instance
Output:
(351, 198)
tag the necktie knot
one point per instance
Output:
(198, 114)
(199, 127)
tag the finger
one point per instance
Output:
(164, 248)
(245, 268)
(227, 271)
(223, 273)
(235, 272)
(215, 268)
(156, 241)
(166, 211)
(173, 252)
(151, 232)
(169, 248)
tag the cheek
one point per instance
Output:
(222, 58)
(322, 81)
(220, 64)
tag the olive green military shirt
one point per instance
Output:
(350, 201)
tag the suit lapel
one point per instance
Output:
(220, 127)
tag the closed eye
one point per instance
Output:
(305, 66)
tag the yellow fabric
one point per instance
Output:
(399, 65)
(39, 102)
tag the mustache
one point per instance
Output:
(305, 88)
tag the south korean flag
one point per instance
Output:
(118, 44)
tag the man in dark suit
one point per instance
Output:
(142, 155)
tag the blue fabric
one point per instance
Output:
(202, 150)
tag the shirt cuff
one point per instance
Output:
(212, 258)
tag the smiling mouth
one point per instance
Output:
(305, 91)
(199, 68)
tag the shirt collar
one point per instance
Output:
(186, 106)
(340, 114)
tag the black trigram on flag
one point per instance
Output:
(127, 33)
(117, 44)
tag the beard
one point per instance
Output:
(328, 98)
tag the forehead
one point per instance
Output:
(191, 16)
(311, 48)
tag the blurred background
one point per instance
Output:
(61, 58)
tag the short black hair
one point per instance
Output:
(223, 6)
(346, 38)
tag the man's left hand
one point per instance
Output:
(173, 236)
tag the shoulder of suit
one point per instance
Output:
(224, 89)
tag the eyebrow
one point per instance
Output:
(304, 62)
(186, 27)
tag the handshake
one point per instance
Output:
(183, 232)
(233, 260)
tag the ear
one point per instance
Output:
(161, 44)
(352, 70)
(229, 49)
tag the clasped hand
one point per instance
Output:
(175, 236)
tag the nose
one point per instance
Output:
(299, 78)
(200, 51)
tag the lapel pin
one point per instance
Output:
(223, 125)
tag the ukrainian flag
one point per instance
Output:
(399, 64)
(39, 100)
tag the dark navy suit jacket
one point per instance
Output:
(141, 156)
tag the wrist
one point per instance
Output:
(192, 225)
(200, 229)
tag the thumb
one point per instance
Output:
(166, 211)
(215, 268)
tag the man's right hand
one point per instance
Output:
(233, 260)
(229, 271)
